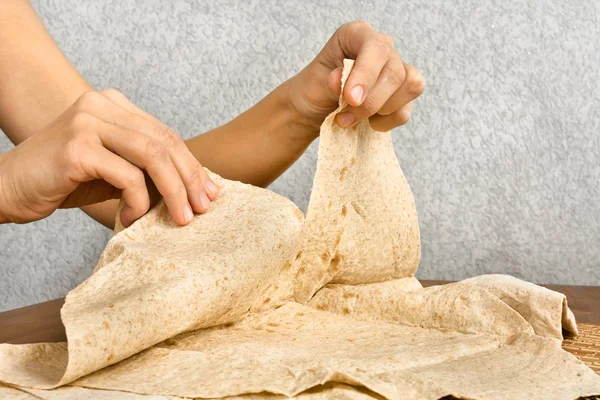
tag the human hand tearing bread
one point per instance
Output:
(104, 166)
(381, 86)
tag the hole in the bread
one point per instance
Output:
(344, 211)
(325, 256)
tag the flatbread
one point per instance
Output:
(361, 223)
(286, 351)
(214, 309)
(7, 392)
(79, 393)
(328, 391)
(459, 307)
(155, 280)
(546, 310)
(293, 348)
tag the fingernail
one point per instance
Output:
(211, 187)
(187, 213)
(345, 119)
(204, 200)
(357, 93)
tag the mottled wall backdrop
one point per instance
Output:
(502, 152)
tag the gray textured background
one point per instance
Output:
(502, 151)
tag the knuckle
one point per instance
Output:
(370, 106)
(361, 23)
(155, 150)
(174, 191)
(135, 178)
(379, 42)
(89, 100)
(167, 136)
(415, 84)
(402, 117)
(354, 26)
(195, 175)
(396, 76)
(369, 73)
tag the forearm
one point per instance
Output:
(37, 82)
(260, 144)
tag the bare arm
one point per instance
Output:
(260, 144)
(256, 147)
(37, 84)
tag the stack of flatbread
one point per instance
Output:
(251, 301)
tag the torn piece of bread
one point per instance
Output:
(361, 224)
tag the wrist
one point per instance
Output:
(305, 124)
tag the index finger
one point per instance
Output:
(200, 188)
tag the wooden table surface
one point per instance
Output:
(41, 322)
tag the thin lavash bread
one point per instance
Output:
(488, 304)
(361, 224)
(291, 348)
(456, 307)
(328, 391)
(155, 280)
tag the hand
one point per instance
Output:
(96, 150)
(380, 87)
